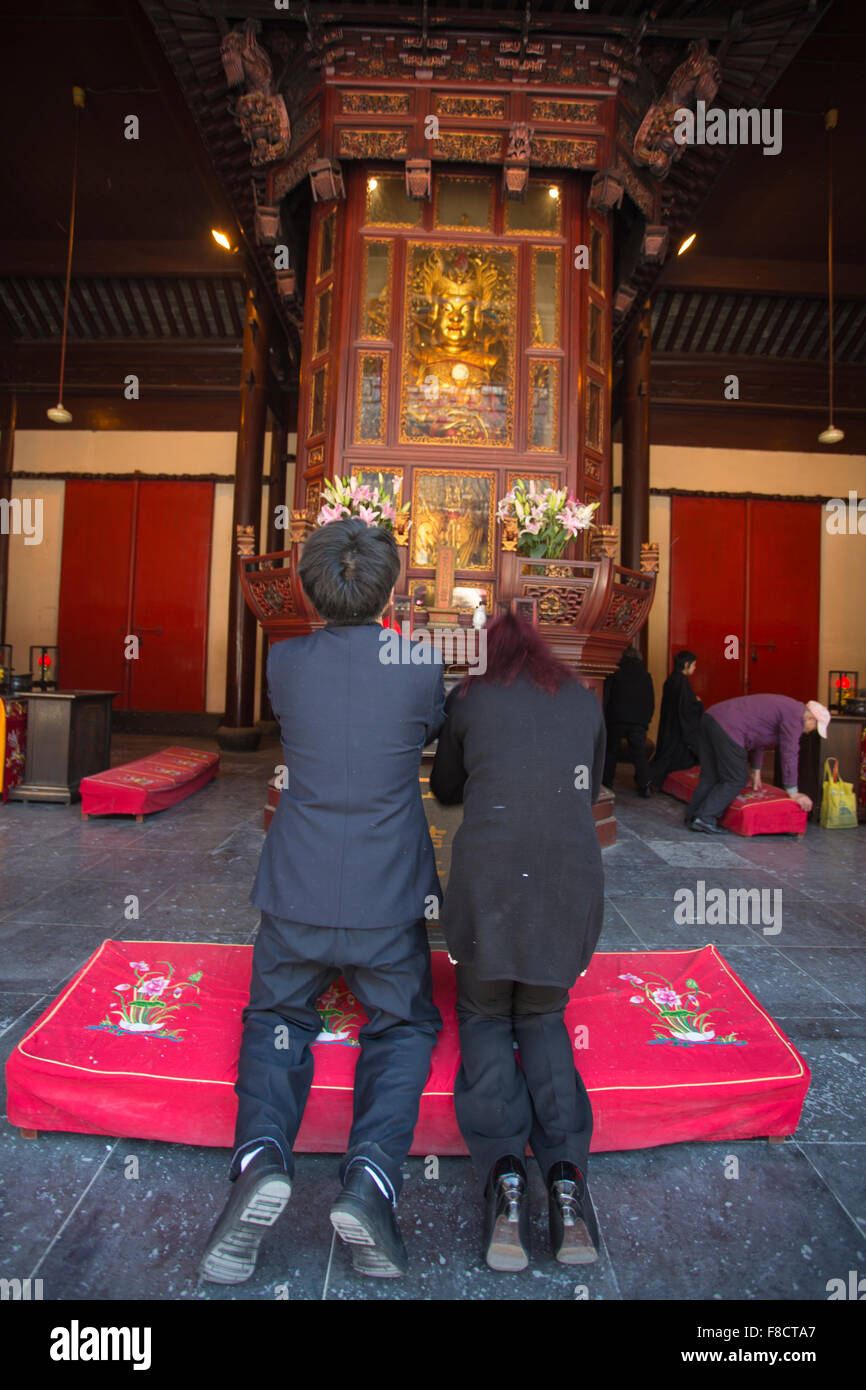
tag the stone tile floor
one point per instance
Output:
(673, 1226)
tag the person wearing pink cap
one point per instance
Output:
(732, 739)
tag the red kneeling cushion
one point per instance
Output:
(149, 784)
(770, 811)
(144, 1042)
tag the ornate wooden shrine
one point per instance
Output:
(458, 279)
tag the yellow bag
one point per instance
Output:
(838, 806)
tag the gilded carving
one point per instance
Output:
(371, 398)
(637, 191)
(304, 126)
(571, 112)
(374, 144)
(459, 360)
(563, 152)
(489, 108)
(291, 174)
(468, 146)
(260, 111)
(376, 103)
(543, 428)
(697, 78)
(453, 509)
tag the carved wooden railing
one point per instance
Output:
(588, 610)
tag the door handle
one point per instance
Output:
(770, 646)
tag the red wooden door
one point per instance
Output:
(707, 593)
(94, 586)
(748, 569)
(784, 546)
(136, 560)
(170, 595)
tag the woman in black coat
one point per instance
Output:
(679, 720)
(522, 747)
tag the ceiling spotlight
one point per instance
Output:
(553, 191)
(222, 240)
(684, 246)
(372, 184)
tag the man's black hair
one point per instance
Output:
(683, 659)
(348, 570)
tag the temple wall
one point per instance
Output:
(842, 637)
(34, 570)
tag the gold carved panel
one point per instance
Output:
(460, 310)
(489, 108)
(375, 317)
(455, 509)
(545, 274)
(371, 398)
(470, 147)
(544, 395)
(541, 480)
(376, 103)
(562, 152)
(374, 144)
(569, 112)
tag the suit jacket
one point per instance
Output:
(349, 844)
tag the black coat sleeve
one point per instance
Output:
(448, 776)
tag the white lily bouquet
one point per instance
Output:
(546, 520)
(347, 497)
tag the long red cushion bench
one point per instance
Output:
(143, 1044)
(771, 811)
(149, 784)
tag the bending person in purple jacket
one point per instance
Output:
(734, 729)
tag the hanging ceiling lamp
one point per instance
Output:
(58, 413)
(832, 434)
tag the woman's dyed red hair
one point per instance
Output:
(514, 648)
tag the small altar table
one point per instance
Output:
(68, 737)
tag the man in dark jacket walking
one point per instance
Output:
(629, 701)
(345, 875)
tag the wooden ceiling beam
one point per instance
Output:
(120, 258)
(801, 278)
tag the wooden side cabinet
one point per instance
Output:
(68, 737)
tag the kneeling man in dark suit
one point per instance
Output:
(345, 874)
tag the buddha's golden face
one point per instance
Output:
(455, 322)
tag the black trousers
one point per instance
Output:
(724, 771)
(388, 971)
(501, 1104)
(635, 735)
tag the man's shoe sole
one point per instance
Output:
(355, 1228)
(232, 1260)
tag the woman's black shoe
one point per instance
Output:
(506, 1216)
(259, 1196)
(363, 1217)
(573, 1227)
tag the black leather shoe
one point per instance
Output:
(506, 1216)
(363, 1217)
(573, 1224)
(709, 827)
(259, 1196)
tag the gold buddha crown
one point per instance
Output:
(466, 275)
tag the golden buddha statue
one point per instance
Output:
(458, 354)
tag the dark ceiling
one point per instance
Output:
(146, 206)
